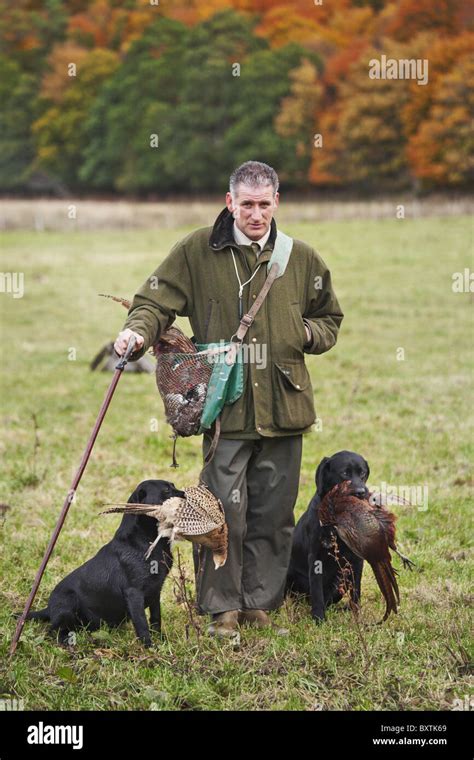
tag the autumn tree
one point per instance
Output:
(295, 118)
(410, 17)
(441, 152)
(368, 150)
(111, 25)
(60, 132)
(169, 96)
(29, 29)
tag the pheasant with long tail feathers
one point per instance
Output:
(369, 531)
(199, 518)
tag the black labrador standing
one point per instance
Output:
(118, 583)
(314, 570)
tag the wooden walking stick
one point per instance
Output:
(70, 496)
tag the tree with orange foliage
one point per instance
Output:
(107, 25)
(413, 16)
(441, 152)
(363, 132)
(29, 29)
(442, 54)
(375, 133)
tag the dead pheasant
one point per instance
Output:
(369, 531)
(199, 518)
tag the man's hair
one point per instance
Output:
(254, 174)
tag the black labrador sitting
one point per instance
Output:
(314, 569)
(118, 583)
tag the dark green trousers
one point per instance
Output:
(257, 482)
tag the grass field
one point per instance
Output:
(410, 418)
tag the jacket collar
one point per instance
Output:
(222, 234)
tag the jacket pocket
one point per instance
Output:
(299, 324)
(293, 404)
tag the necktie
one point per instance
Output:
(255, 248)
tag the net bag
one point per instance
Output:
(182, 378)
(194, 383)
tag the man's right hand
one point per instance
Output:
(123, 338)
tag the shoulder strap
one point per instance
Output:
(275, 268)
(248, 318)
(281, 252)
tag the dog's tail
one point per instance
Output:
(35, 614)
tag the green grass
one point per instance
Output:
(409, 418)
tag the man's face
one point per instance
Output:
(253, 209)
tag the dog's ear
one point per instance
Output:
(368, 468)
(320, 474)
(138, 496)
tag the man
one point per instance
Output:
(213, 276)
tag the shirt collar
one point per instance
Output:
(242, 239)
(221, 237)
